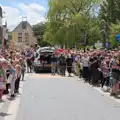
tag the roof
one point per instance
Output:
(22, 23)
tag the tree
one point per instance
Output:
(110, 14)
(39, 30)
(110, 11)
(69, 20)
(114, 30)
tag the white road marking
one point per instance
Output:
(106, 94)
(14, 106)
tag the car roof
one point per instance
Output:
(47, 49)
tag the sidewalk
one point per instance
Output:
(8, 108)
(107, 94)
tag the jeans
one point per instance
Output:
(12, 87)
(63, 68)
(105, 81)
(17, 83)
(22, 74)
(53, 67)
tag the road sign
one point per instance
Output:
(118, 38)
(98, 45)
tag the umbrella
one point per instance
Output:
(59, 51)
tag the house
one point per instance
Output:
(0, 16)
(5, 33)
(23, 35)
(1, 29)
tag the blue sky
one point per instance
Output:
(34, 10)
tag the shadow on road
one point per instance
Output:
(44, 72)
(2, 114)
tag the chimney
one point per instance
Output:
(24, 22)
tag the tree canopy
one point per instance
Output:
(72, 21)
(79, 22)
(39, 30)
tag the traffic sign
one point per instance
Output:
(98, 45)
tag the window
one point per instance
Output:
(26, 37)
(19, 39)
(26, 33)
(20, 34)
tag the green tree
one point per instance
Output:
(39, 30)
(110, 14)
(114, 30)
(110, 11)
(68, 20)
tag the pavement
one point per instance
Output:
(47, 97)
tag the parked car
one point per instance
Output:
(43, 60)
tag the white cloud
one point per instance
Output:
(34, 13)
(12, 15)
(37, 7)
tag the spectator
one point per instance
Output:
(53, 64)
(69, 62)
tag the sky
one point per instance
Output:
(34, 10)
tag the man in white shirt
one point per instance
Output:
(85, 64)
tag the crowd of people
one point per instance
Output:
(97, 67)
(13, 65)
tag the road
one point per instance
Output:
(45, 97)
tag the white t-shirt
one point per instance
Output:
(85, 61)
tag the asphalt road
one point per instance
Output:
(45, 97)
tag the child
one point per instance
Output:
(11, 79)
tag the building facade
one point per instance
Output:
(1, 29)
(23, 35)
